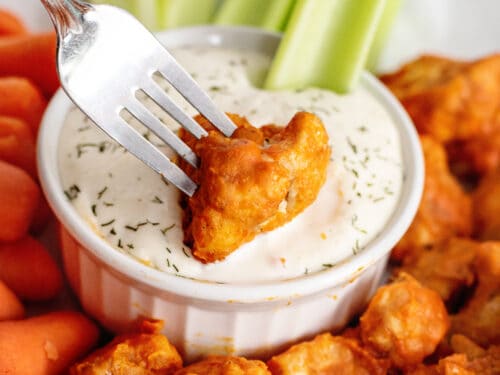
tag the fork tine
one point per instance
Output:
(189, 89)
(144, 116)
(135, 143)
(160, 97)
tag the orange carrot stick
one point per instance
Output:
(17, 144)
(10, 306)
(10, 24)
(32, 56)
(28, 270)
(45, 345)
(19, 196)
(19, 97)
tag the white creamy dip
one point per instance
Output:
(134, 210)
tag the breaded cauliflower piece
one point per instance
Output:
(448, 99)
(222, 365)
(486, 208)
(404, 321)
(327, 354)
(145, 352)
(445, 209)
(447, 268)
(252, 182)
(480, 318)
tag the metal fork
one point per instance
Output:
(104, 57)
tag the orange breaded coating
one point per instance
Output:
(486, 208)
(445, 209)
(480, 318)
(478, 155)
(446, 268)
(252, 182)
(222, 365)
(448, 99)
(404, 321)
(142, 353)
(326, 354)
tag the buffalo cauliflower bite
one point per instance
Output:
(480, 318)
(447, 99)
(253, 182)
(222, 365)
(404, 321)
(486, 204)
(447, 268)
(327, 354)
(445, 209)
(145, 352)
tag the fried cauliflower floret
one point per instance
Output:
(480, 318)
(252, 182)
(448, 99)
(146, 352)
(326, 354)
(222, 365)
(446, 268)
(486, 208)
(445, 209)
(476, 156)
(404, 321)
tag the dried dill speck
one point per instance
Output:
(157, 200)
(166, 229)
(108, 223)
(185, 252)
(353, 147)
(327, 265)
(175, 267)
(112, 231)
(94, 209)
(101, 192)
(119, 244)
(72, 192)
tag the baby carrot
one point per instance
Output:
(19, 196)
(17, 144)
(29, 270)
(32, 56)
(46, 344)
(19, 97)
(10, 24)
(10, 306)
(42, 217)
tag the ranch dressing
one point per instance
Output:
(138, 213)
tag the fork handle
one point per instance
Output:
(66, 15)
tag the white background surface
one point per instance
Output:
(456, 28)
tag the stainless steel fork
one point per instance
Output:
(104, 57)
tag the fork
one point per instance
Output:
(104, 58)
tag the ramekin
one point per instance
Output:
(202, 317)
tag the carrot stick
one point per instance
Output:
(42, 217)
(10, 306)
(19, 97)
(45, 345)
(19, 196)
(17, 144)
(28, 270)
(32, 56)
(10, 24)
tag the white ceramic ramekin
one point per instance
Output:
(203, 317)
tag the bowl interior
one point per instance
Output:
(161, 282)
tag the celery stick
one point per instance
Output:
(326, 44)
(146, 12)
(125, 4)
(175, 13)
(386, 21)
(268, 14)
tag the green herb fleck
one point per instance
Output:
(99, 194)
(72, 192)
(108, 223)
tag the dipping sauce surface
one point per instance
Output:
(138, 213)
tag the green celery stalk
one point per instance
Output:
(176, 13)
(386, 22)
(161, 14)
(267, 14)
(326, 44)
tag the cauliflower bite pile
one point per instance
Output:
(445, 209)
(253, 182)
